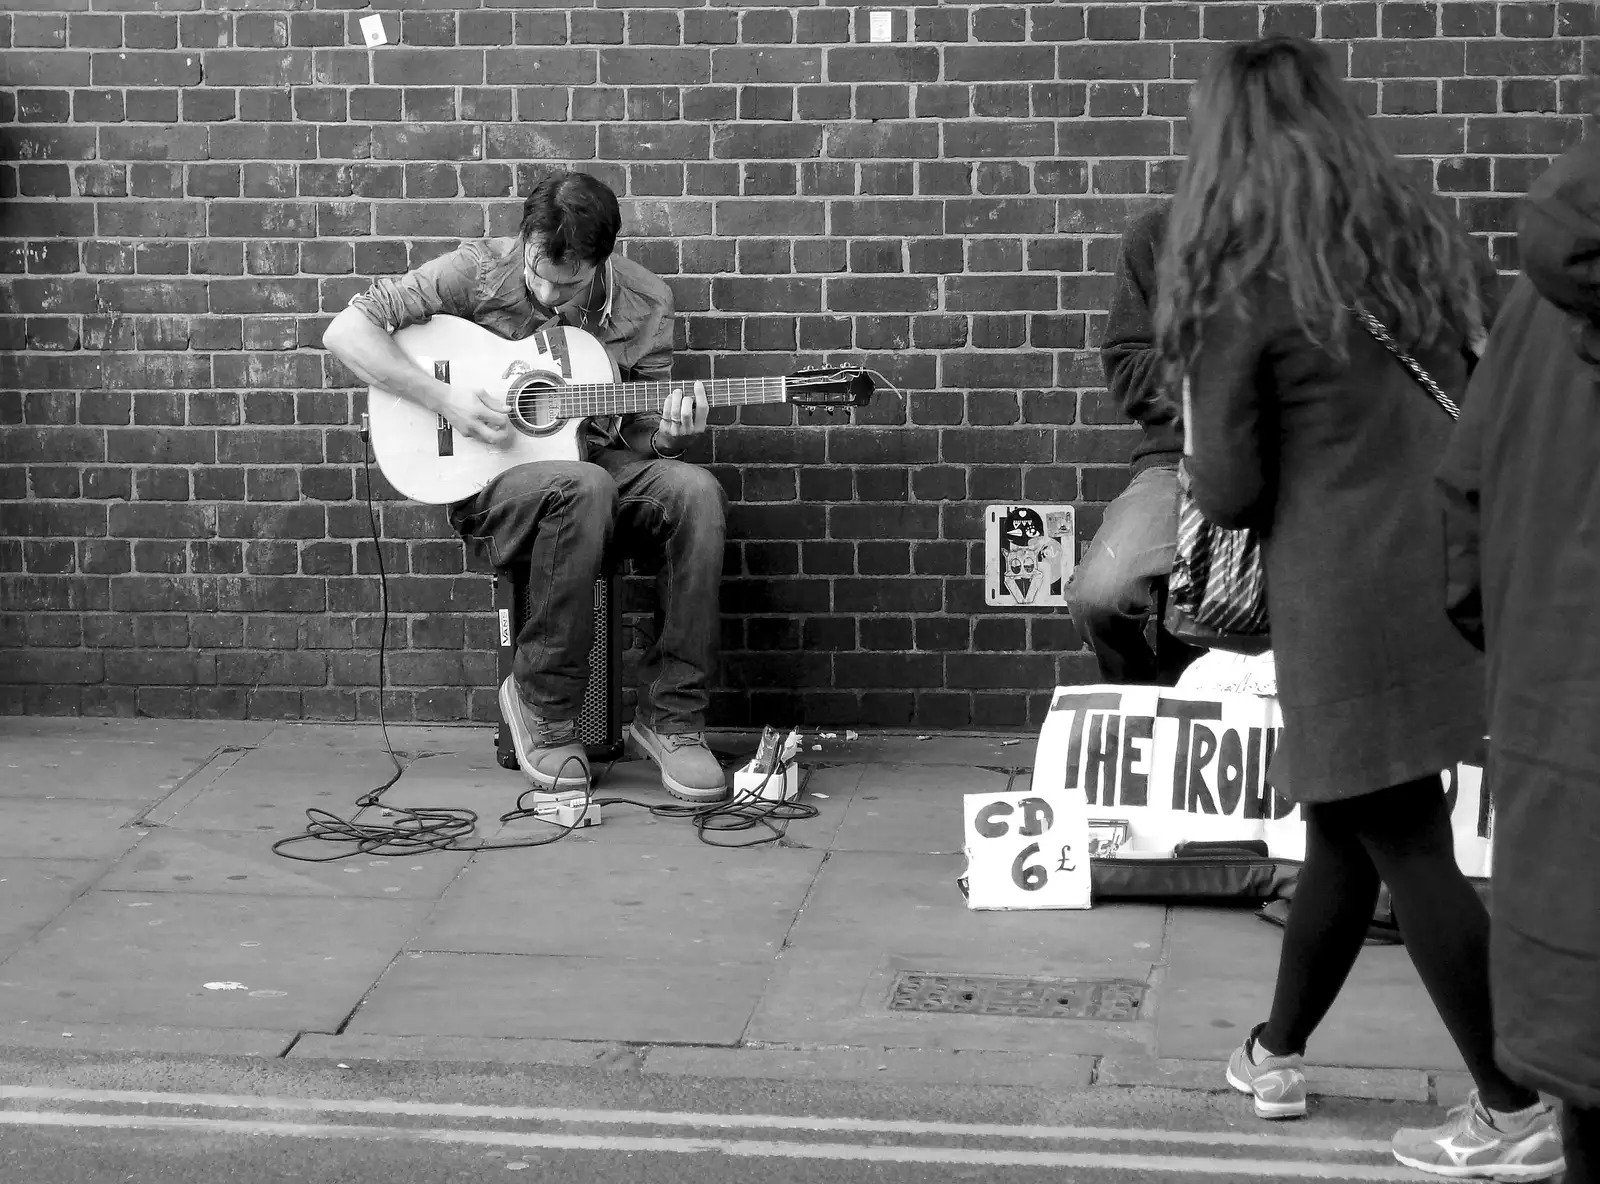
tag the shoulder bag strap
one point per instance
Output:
(1425, 380)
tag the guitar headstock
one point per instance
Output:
(828, 386)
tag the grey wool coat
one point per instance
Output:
(1522, 480)
(1333, 463)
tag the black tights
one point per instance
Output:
(1401, 837)
(1580, 1137)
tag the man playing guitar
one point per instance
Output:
(557, 519)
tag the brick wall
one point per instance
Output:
(191, 189)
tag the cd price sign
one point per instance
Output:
(1027, 851)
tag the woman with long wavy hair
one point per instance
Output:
(1289, 218)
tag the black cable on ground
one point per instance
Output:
(414, 830)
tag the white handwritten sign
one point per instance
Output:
(1159, 767)
(1027, 851)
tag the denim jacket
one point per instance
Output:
(481, 281)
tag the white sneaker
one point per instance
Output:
(1469, 1146)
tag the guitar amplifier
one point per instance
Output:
(600, 721)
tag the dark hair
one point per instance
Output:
(1287, 180)
(572, 216)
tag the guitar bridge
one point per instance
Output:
(447, 438)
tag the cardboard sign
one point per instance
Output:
(1158, 767)
(1029, 553)
(1026, 851)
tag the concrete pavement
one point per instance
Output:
(142, 911)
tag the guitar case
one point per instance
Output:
(1227, 873)
(1196, 873)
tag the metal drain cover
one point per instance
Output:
(1036, 998)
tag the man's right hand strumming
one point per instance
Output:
(370, 351)
(476, 414)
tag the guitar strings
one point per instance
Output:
(621, 398)
(586, 399)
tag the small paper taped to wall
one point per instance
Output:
(372, 30)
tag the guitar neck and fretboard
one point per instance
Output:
(582, 400)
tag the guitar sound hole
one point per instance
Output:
(536, 408)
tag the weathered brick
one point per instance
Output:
(459, 67)
(256, 67)
(733, 66)
(786, 143)
(768, 217)
(548, 141)
(1009, 140)
(1524, 58)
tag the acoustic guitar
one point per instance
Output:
(551, 382)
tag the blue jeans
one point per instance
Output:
(565, 522)
(1114, 589)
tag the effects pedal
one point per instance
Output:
(578, 816)
(573, 811)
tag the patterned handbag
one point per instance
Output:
(1217, 592)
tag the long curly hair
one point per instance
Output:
(1286, 180)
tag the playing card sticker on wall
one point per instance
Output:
(1029, 554)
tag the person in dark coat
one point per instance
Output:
(1116, 585)
(1300, 425)
(1522, 482)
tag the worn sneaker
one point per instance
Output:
(688, 768)
(549, 751)
(1470, 1146)
(1278, 1084)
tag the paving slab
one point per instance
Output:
(918, 1066)
(592, 1054)
(1391, 1085)
(873, 903)
(517, 996)
(141, 959)
(834, 998)
(913, 808)
(828, 790)
(683, 905)
(78, 1037)
(63, 828)
(1452, 1089)
(108, 770)
(209, 734)
(33, 892)
(472, 740)
(1221, 968)
(465, 780)
(1001, 750)
(874, 914)
(270, 787)
(243, 863)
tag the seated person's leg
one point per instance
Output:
(1113, 590)
(551, 520)
(675, 512)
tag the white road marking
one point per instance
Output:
(741, 1148)
(771, 1122)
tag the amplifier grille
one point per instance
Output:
(599, 720)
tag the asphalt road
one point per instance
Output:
(106, 1120)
